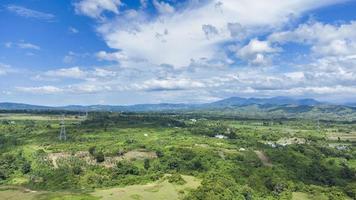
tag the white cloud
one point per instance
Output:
(72, 57)
(74, 72)
(169, 84)
(41, 89)
(94, 8)
(325, 39)
(186, 38)
(143, 3)
(4, 69)
(116, 56)
(8, 44)
(80, 74)
(73, 30)
(29, 13)
(163, 7)
(255, 51)
(22, 45)
(197, 52)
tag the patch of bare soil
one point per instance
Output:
(139, 155)
(265, 160)
(342, 136)
(109, 161)
(289, 141)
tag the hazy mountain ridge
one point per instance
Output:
(229, 102)
(275, 107)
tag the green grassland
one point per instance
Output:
(128, 156)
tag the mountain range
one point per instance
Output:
(229, 102)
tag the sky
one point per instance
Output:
(123, 52)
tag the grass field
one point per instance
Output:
(160, 190)
(20, 193)
(38, 117)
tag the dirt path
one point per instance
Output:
(265, 160)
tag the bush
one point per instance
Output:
(99, 157)
(2, 175)
(176, 179)
(92, 150)
(77, 170)
(126, 168)
(26, 168)
(146, 164)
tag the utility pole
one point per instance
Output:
(63, 134)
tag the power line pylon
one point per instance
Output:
(63, 134)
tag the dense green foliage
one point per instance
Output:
(257, 159)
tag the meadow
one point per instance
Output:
(156, 155)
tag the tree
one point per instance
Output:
(26, 168)
(146, 164)
(2, 175)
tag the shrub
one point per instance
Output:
(126, 168)
(26, 168)
(92, 150)
(2, 175)
(77, 170)
(146, 164)
(99, 157)
(176, 179)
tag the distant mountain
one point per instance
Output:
(351, 104)
(275, 107)
(229, 102)
(237, 101)
(21, 106)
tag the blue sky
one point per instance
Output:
(153, 51)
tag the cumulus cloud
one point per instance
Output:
(29, 13)
(95, 8)
(144, 3)
(202, 51)
(116, 56)
(197, 32)
(325, 39)
(163, 7)
(255, 51)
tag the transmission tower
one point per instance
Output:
(63, 134)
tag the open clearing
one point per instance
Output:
(37, 117)
(343, 136)
(265, 160)
(20, 193)
(109, 161)
(160, 190)
(15, 193)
